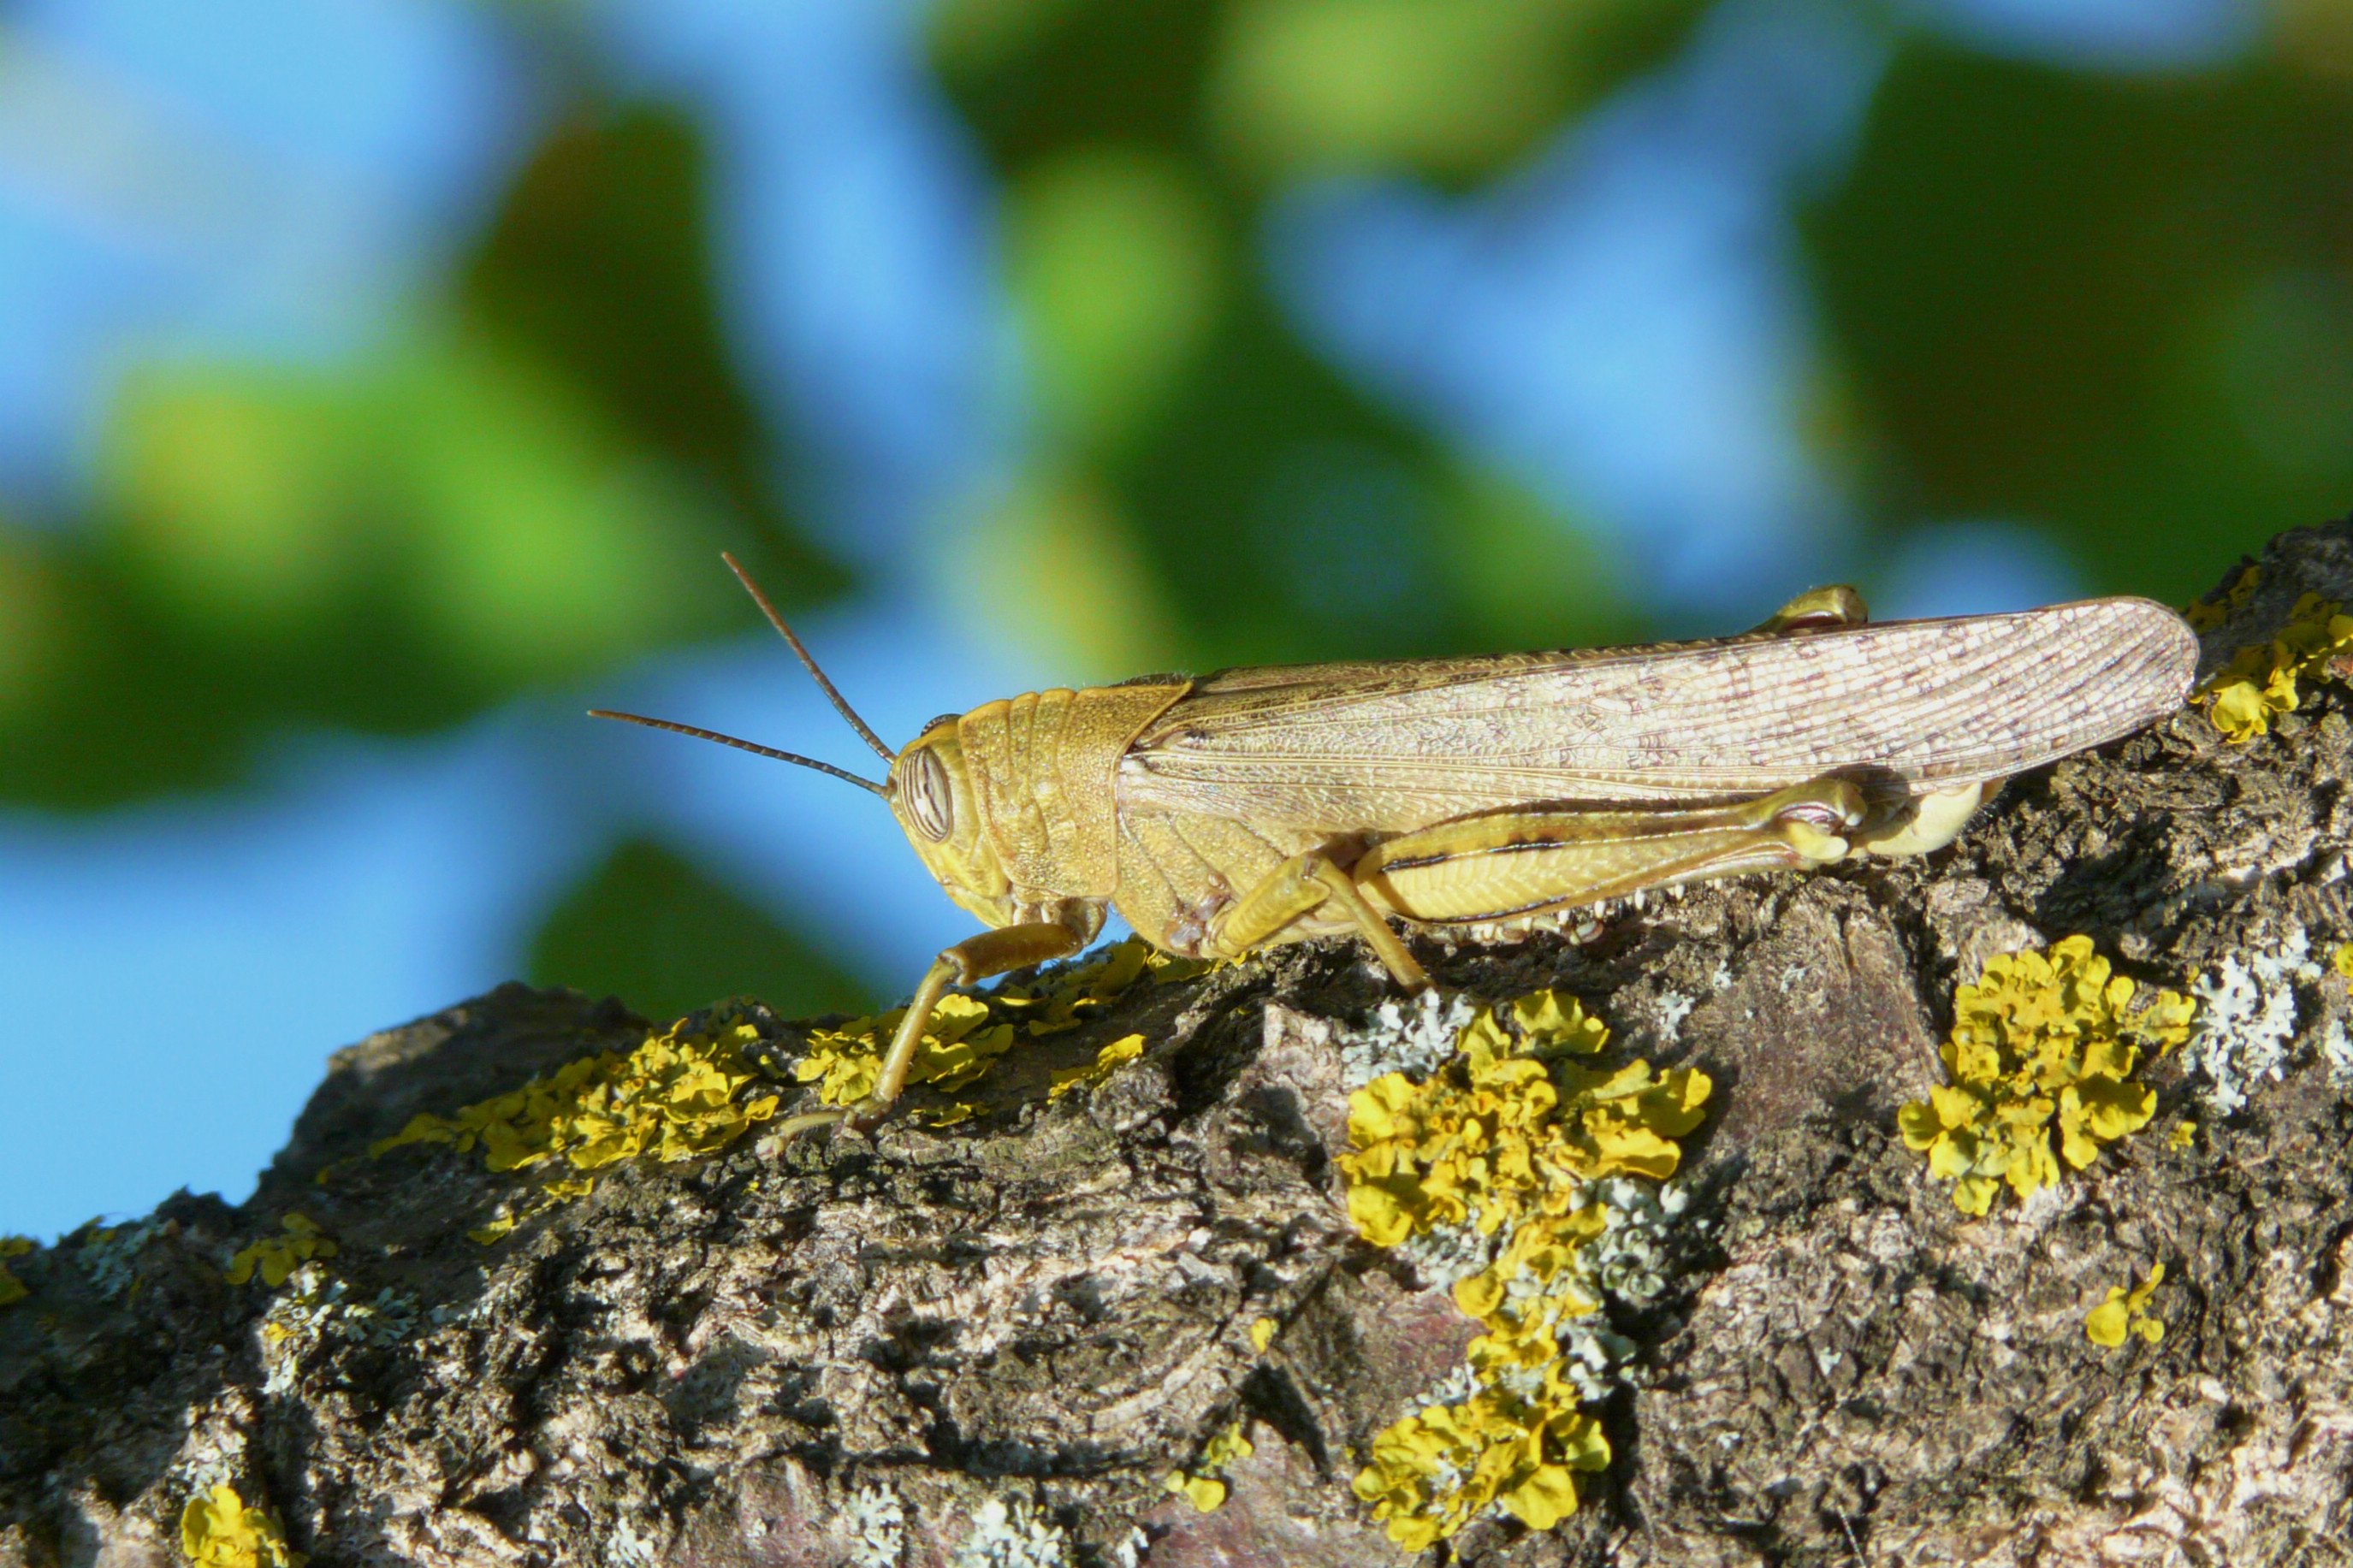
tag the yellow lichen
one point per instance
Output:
(1065, 998)
(1522, 1329)
(1550, 1024)
(846, 1063)
(1507, 1126)
(554, 1195)
(2260, 683)
(2184, 1134)
(2206, 613)
(218, 1531)
(678, 1096)
(2342, 960)
(966, 1033)
(1203, 1484)
(1107, 1061)
(1224, 1448)
(1261, 1333)
(2041, 1052)
(2126, 1313)
(1206, 1493)
(1505, 1136)
(276, 1256)
(689, 1092)
(1433, 1472)
(498, 1228)
(12, 1290)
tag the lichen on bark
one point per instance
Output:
(995, 1341)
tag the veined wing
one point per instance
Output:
(1385, 747)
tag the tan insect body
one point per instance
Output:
(1256, 806)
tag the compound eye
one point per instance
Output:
(929, 803)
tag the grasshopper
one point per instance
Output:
(1235, 811)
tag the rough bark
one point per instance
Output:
(1049, 1307)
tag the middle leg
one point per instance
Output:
(1299, 887)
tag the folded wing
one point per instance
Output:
(1385, 747)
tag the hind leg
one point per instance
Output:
(1505, 864)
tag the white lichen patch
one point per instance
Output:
(1673, 1009)
(631, 1547)
(1632, 1260)
(1591, 1355)
(1591, 1351)
(2337, 1050)
(213, 1452)
(205, 1468)
(1414, 1037)
(1446, 1253)
(878, 1528)
(2245, 1021)
(111, 1258)
(1457, 1385)
(442, 1314)
(313, 1307)
(1012, 1535)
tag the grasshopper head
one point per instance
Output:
(929, 788)
(931, 794)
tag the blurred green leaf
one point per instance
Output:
(1117, 260)
(118, 702)
(599, 265)
(1529, 578)
(1450, 89)
(650, 927)
(538, 544)
(1039, 79)
(234, 493)
(522, 488)
(476, 503)
(32, 624)
(465, 491)
(1274, 516)
(1203, 489)
(1290, 518)
(978, 38)
(2279, 353)
(2115, 306)
(1454, 89)
(1052, 565)
(2313, 35)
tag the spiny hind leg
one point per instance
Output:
(1508, 864)
(1522, 862)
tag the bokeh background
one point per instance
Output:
(379, 380)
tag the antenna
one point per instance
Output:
(778, 621)
(678, 728)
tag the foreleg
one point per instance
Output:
(973, 960)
